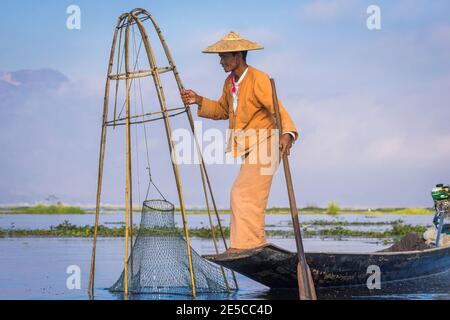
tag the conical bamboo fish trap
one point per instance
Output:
(125, 32)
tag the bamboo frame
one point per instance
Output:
(204, 173)
(168, 128)
(136, 17)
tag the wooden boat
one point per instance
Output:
(346, 275)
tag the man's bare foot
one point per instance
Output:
(231, 251)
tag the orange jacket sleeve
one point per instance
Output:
(263, 92)
(217, 110)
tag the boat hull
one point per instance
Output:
(346, 275)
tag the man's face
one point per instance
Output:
(229, 61)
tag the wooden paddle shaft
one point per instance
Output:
(306, 285)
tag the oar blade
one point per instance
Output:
(306, 288)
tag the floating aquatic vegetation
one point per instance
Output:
(66, 229)
(46, 209)
(351, 223)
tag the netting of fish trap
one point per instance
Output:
(159, 263)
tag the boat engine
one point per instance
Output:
(441, 198)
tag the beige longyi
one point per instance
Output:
(248, 201)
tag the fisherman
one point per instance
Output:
(247, 103)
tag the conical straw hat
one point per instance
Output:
(232, 42)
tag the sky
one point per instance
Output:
(372, 106)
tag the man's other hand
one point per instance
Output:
(285, 144)
(190, 97)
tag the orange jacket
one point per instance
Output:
(255, 110)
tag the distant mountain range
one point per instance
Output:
(39, 78)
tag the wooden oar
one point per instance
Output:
(306, 287)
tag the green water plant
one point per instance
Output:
(333, 208)
(40, 208)
(66, 229)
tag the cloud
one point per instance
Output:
(51, 143)
(36, 79)
(439, 36)
(362, 147)
(364, 130)
(46, 135)
(52, 146)
(7, 77)
(372, 110)
(413, 11)
(18, 86)
(326, 10)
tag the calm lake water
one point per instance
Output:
(35, 268)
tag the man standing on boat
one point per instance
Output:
(248, 104)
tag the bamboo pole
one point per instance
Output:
(203, 170)
(138, 74)
(168, 128)
(91, 283)
(146, 121)
(117, 82)
(147, 114)
(128, 188)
